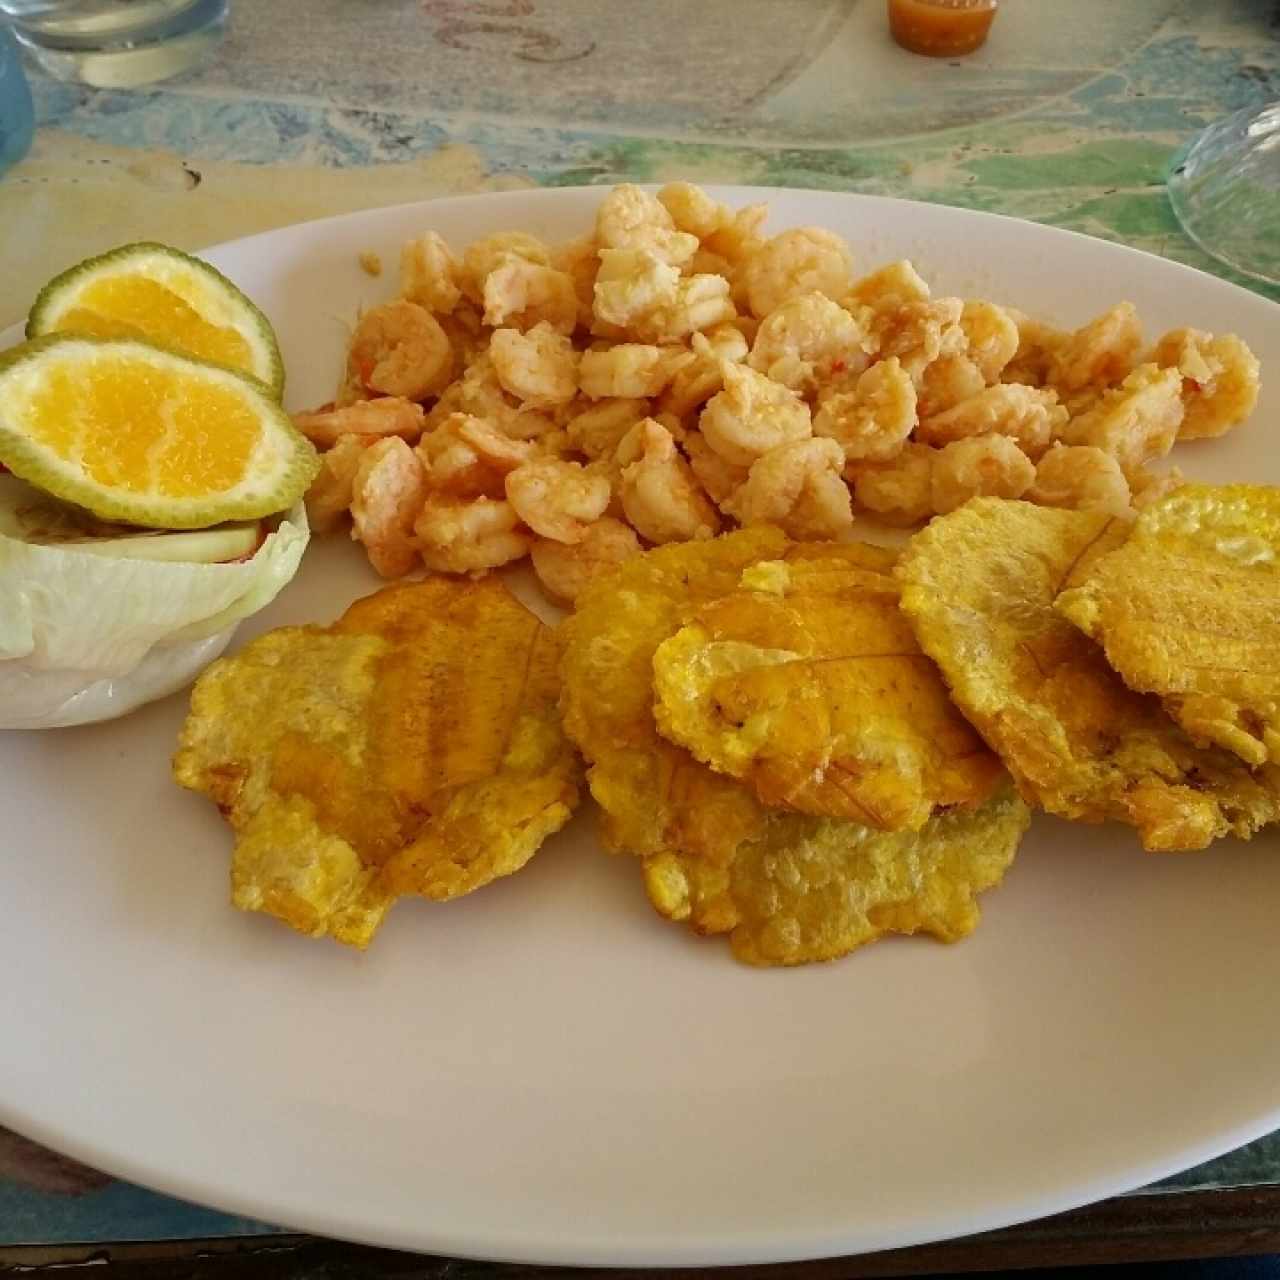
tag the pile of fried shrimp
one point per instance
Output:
(677, 372)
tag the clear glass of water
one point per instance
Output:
(1225, 190)
(117, 43)
(17, 121)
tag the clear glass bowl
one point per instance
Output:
(1225, 191)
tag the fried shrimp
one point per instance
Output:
(992, 337)
(1082, 478)
(872, 422)
(387, 416)
(663, 369)
(539, 368)
(1219, 380)
(630, 370)
(805, 339)
(1029, 416)
(1136, 422)
(469, 536)
(468, 457)
(629, 218)
(387, 493)
(798, 486)
(429, 274)
(752, 415)
(980, 466)
(521, 294)
(566, 570)
(399, 349)
(558, 500)
(330, 493)
(793, 263)
(898, 492)
(660, 494)
(890, 288)
(1100, 354)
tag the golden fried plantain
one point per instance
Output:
(804, 888)
(1189, 608)
(653, 794)
(790, 888)
(812, 690)
(979, 586)
(412, 747)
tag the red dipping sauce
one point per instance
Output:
(941, 28)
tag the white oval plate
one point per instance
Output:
(548, 1072)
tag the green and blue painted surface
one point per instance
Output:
(1071, 117)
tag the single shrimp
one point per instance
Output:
(520, 294)
(632, 285)
(1100, 353)
(692, 210)
(739, 237)
(918, 333)
(429, 274)
(660, 495)
(387, 493)
(387, 416)
(629, 370)
(399, 349)
(639, 294)
(1030, 416)
(1037, 343)
(872, 422)
(539, 368)
(1082, 478)
(800, 487)
(565, 571)
(803, 260)
(898, 492)
(479, 393)
(806, 338)
(947, 382)
(469, 537)
(486, 255)
(1136, 422)
(596, 431)
(1219, 380)
(330, 493)
(992, 335)
(558, 500)
(629, 218)
(979, 466)
(468, 457)
(719, 478)
(752, 415)
(890, 288)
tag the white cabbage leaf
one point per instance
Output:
(86, 637)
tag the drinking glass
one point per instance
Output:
(1225, 191)
(16, 119)
(117, 43)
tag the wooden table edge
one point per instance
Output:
(1144, 1227)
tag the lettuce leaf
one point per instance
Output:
(84, 637)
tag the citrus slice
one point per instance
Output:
(161, 295)
(138, 433)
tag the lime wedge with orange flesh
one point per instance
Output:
(137, 433)
(161, 295)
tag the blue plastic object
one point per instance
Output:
(17, 119)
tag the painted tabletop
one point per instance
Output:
(1070, 116)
